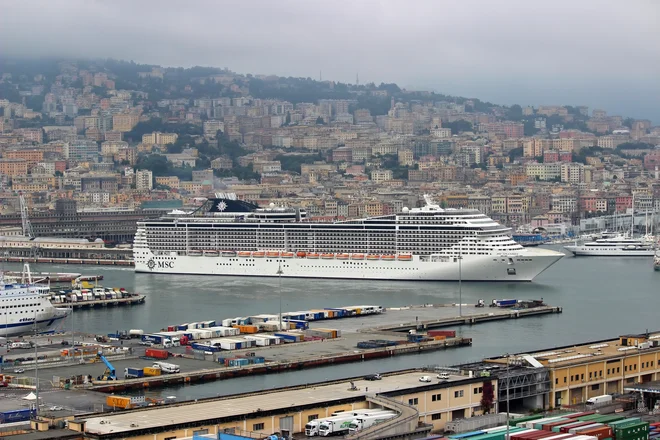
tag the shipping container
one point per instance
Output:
(466, 435)
(446, 333)
(580, 414)
(156, 353)
(150, 371)
(133, 373)
(524, 420)
(567, 428)
(559, 436)
(548, 426)
(567, 425)
(118, 402)
(540, 425)
(600, 433)
(579, 429)
(533, 423)
(19, 415)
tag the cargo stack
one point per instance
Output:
(290, 337)
(441, 334)
(322, 333)
(633, 430)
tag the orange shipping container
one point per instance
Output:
(248, 328)
(118, 402)
(439, 338)
(149, 371)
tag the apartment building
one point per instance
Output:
(543, 171)
(124, 122)
(379, 176)
(144, 180)
(158, 138)
(31, 156)
(13, 167)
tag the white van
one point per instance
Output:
(599, 400)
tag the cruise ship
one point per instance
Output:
(22, 303)
(622, 245)
(226, 236)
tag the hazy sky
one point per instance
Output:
(601, 53)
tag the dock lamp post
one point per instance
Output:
(508, 382)
(460, 287)
(279, 274)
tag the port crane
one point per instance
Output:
(110, 372)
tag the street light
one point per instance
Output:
(508, 382)
(279, 274)
(460, 287)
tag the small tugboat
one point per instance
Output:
(656, 261)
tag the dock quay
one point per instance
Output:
(471, 315)
(131, 301)
(279, 366)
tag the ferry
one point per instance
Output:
(25, 307)
(425, 243)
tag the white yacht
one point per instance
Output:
(622, 245)
(227, 236)
(25, 305)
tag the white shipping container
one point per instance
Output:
(274, 339)
(226, 322)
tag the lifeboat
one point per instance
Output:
(301, 254)
(287, 254)
(228, 253)
(373, 257)
(244, 254)
(273, 254)
(259, 254)
(342, 256)
(405, 257)
(313, 255)
(328, 256)
(357, 257)
(194, 253)
(387, 257)
(211, 253)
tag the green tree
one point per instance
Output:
(514, 113)
(319, 121)
(459, 126)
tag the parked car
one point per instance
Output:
(373, 377)
(56, 408)
(19, 370)
(443, 376)
(65, 342)
(425, 379)
(147, 343)
(3, 384)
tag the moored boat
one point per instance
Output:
(405, 257)
(342, 256)
(328, 256)
(287, 255)
(273, 254)
(387, 258)
(195, 253)
(211, 253)
(357, 257)
(228, 253)
(259, 254)
(373, 257)
(313, 256)
(244, 254)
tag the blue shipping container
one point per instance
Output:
(19, 415)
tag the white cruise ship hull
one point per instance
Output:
(586, 251)
(523, 266)
(44, 324)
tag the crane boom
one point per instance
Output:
(25, 219)
(111, 372)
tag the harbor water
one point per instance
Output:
(601, 298)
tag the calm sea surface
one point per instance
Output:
(601, 297)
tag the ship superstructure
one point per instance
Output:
(25, 307)
(227, 236)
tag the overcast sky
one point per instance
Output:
(594, 52)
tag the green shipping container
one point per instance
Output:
(632, 431)
(626, 421)
(514, 422)
(610, 418)
(589, 417)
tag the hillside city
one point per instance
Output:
(116, 135)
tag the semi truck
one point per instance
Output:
(312, 427)
(166, 367)
(599, 400)
(334, 427)
(132, 373)
(365, 422)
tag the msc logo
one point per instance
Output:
(151, 264)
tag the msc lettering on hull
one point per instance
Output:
(151, 264)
